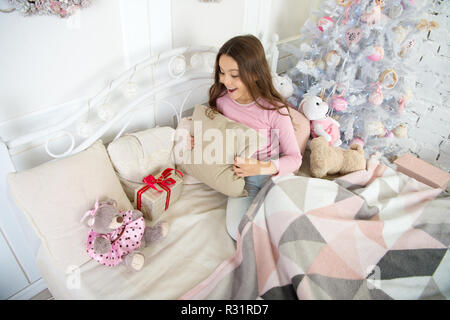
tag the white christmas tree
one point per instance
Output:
(356, 55)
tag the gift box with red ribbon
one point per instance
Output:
(158, 192)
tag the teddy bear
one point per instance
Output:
(326, 159)
(315, 109)
(115, 236)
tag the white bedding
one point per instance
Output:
(196, 244)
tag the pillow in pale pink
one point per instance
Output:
(301, 128)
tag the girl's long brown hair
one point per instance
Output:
(254, 72)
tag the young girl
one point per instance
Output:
(243, 91)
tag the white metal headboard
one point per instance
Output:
(163, 76)
(74, 126)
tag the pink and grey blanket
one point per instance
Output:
(372, 234)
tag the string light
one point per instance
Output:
(106, 112)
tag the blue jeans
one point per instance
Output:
(237, 207)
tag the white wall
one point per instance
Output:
(46, 60)
(288, 16)
(201, 23)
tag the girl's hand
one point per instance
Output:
(245, 167)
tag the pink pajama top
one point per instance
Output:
(123, 240)
(277, 128)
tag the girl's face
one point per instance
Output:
(230, 78)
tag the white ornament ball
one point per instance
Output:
(395, 11)
(196, 60)
(401, 131)
(325, 23)
(105, 112)
(84, 129)
(177, 66)
(375, 128)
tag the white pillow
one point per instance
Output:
(55, 195)
(136, 155)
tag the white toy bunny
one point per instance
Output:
(283, 84)
(315, 109)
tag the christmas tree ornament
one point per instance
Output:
(325, 23)
(427, 25)
(338, 102)
(401, 131)
(377, 53)
(372, 16)
(376, 96)
(344, 3)
(395, 11)
(353, 36)
(388, 78)
(307, 67)
(332, 59)
(375, 128)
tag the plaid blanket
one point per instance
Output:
(372, 234)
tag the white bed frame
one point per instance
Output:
(170, 84)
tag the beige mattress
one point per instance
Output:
(196, 244)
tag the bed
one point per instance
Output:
(373, 234)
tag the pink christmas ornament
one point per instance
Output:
(353, 36)
(339, 103)
(376, 97)
(325, 23)
(373, 16)
(377, 55)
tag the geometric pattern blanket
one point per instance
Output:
(372, 234)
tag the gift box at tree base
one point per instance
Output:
(157, 193)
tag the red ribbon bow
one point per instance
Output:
(163, 181)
